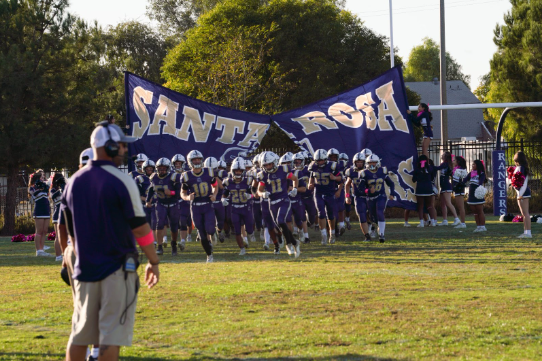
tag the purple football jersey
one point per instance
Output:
(276, 183)
(159, 185)
(199, 184)
(240, 193)
(324, 185)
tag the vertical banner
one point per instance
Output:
(371, 116)
(498, 159)
(166, 123)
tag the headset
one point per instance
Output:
(111, 147)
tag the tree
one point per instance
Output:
(51, 85)
(175, 17)
(482, 93)
(516, 69)
(289, 52)
(424, 64)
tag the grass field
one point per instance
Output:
(432, 293)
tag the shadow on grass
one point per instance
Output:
(42, 356)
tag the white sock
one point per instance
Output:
(341, 224)
(347, 219)
(456, 219)
(266, 236)
(246, 239)
(381, 227)
(296, 230)
(95, 352)
(165, 239)
(332, 232)
(306, 235)
(183, 240)
(324, 232)
(528, 231)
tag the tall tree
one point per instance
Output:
(51, 83)
(516, 68)
(424, 64)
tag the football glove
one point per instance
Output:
(293, 192)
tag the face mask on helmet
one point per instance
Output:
(373, 166)
(238, 173)
(197, 163)
(162, 170)
(298, 163)
(139, 164)
(359, 164)
(178, 165)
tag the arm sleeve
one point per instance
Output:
(390, 184)
(226, 193)
(136, 222)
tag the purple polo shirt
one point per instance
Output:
(98, 201)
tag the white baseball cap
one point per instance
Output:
(102, 134)
(85, 156)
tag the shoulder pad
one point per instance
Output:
(225, 182)
(260, 175)
(333, 165)
(185, 177)
(152, 176)
(362, 173)
(347, 172)
(139, 179)
(211, 172)
(173, 177)
(385, 170)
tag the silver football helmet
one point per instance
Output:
(269, 158)
(299, 159)
(238, 164)
(178, 158)
(140, 158)
(211, 163)
(320, 154)
(332, 153)
(359, 157)
(146, 164)
(163, 165)
(372, 162)
(366, 152)
(286, 158)
(222, 164)
(195, 154)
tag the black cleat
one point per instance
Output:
(221, 237)
(307, 240)
(382, 240)
(173, 248)
(367, 238)
(160, 250)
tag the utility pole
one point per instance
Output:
(443, 100)
(392, 55)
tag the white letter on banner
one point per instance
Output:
(200, 129)
(346, 115)
(388, 107)
(166, 111)
(363, 103)
(229, 128)
(140, 98)
(311, 122)
(501, 157)
(255, 133)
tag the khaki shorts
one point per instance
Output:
(99, 308)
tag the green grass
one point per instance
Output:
(432, 293)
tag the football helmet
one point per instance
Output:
(299, 159)
(211, 163)
(344, 157)
(195, 154)
(269, 158)
(140, 158)
(248, 163)
(286, 158)
(146, 164)
(163, 165)
(332, 154)
(222, 164)
(319, 155)
(372, 162)
(256, 160)
(238, 165)
(366, 152)
(359, 157)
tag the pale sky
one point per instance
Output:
(469, 24)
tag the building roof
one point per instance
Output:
(461, 123)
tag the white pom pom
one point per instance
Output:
(461, 173)
(480, 192)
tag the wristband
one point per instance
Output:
(215, 183)
(171, 193)
(262, 184)
(290, 175)
(145, 240)
(154, 264)
(347, 195)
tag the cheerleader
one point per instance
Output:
(423, 175)
(446, 189)
(523, 192)
(37, 189)
(57, 187)
(477, 178)
(458, 174)
(423, 118)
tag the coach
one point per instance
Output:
(103, 217)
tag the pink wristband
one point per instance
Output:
(215, 184)
(347, 195)
(171, 193)
(145, 240)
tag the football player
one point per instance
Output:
(333, 155)
(220, 210)
(352, 190)
(166, 185)
(324, 177)
(238, 192)
(273, 185)
(139, 160)
(203, 185)
(178, 163)
(372, 181)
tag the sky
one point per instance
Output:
(469, 24)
